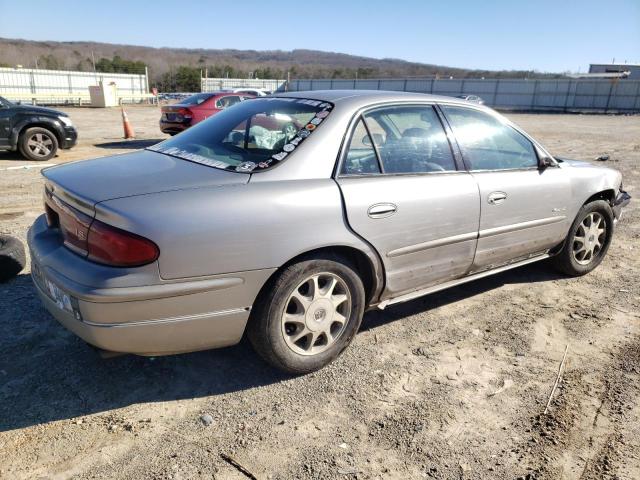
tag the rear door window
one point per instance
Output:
(228, 101)
(406, 139)
(361, 157)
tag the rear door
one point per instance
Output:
(406, 194)
(523, 206)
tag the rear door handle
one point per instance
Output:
(382, 210)
(496, 198)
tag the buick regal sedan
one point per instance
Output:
(287, 217)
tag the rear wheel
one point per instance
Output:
(588, 240)
(38, 143)
(308, 315)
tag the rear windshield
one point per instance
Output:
(249, 136)
(196, 99)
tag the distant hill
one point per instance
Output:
(237, 63)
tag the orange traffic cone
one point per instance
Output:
(128, 129)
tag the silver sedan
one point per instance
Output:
(286, 217)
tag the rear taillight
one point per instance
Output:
(119, 248)
(186, 113)
(73, 224)
(96, 240)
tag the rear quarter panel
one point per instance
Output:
(204, 110)
(207, 231)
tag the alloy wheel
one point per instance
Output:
(40, 144)
(316, 313)
(589, 238)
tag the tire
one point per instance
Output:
(273, 335)
(572, 259)
(12, 257)
(38, 144)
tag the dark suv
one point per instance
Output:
(37, 132)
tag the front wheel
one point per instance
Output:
(308, 315)
(588, 240)
(38, 144)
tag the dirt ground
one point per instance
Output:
(450, 386)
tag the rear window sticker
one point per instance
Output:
(246, 167)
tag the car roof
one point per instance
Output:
(219, 92)
(365, 97)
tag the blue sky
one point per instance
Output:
(516, 34)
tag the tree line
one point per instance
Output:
(182, 73)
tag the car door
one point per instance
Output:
(405, 194)
(6, 113)
(523, 204)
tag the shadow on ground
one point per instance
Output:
(8, 155)
(129, 144)
(48, 374)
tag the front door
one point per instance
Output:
(523, 208)
(406, 197)
(6, 113)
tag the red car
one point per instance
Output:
(180, 116)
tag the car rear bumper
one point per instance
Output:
(621, 201)
(158, 319)
(173, 127)
(154, 337)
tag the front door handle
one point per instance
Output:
(496, 198)
(382, 210)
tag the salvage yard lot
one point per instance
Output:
(449, 386)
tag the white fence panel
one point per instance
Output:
(600, 95)
(55, 86)
(214, 84)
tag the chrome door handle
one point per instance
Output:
(496, 198)
(382, 210)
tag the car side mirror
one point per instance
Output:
(546, 162)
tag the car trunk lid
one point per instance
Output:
(73, 190)
(86, 183)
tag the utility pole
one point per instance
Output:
(93, 60)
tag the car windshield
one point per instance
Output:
(196, 99)
(249, 136)
(5, 102)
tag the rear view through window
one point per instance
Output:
(252, 135)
